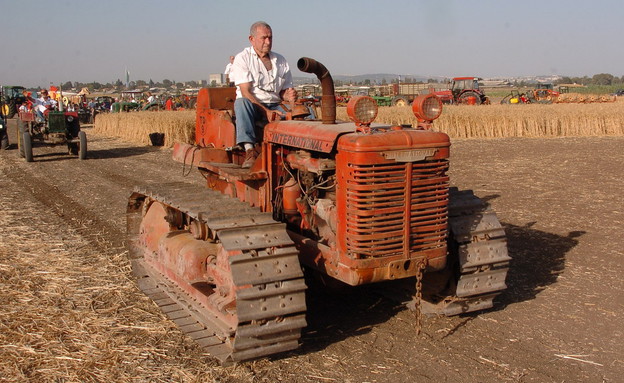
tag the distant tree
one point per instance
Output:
(118, 83)
(581, 80)
(213, 83)
(67, 85)
(151, 83)
(167, 83)
(141, 83)
(602, 79)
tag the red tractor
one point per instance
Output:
(464, 90)
(543, 93)
(352, 202)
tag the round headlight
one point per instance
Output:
(70, 118)
(427, 107)
(362, 110)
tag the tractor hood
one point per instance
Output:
(309, 135)
(316, 136)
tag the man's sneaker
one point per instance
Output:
(250, 158)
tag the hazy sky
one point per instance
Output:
(56, 41)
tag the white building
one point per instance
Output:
(218, 78)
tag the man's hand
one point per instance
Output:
(290, 95)
(273, 114)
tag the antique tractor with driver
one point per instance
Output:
(57, 127)
(353, 202)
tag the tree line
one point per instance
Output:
(597, 79)
(119, 85)
(601, 79)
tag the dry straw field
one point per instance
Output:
(136, 126)
(533, 120)
(484, 121)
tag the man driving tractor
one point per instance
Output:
(263, 80)
(43, 104)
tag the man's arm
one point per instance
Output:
(288, 94)
(245, 89)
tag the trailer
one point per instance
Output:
(398, 94)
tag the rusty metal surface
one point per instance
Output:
(265, 276)
(393, 140)
(311, 135)
(395, 209)
(244, 239)
(192, 155)
(213, 123)
(328, 98)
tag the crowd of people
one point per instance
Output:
(162, 102)
(46, 100)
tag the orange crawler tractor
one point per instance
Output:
(355, 201)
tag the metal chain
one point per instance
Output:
(418, 296)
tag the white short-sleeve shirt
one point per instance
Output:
(266, 85)
(41, 104)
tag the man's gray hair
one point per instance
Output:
(256, 25)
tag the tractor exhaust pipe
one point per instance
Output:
(328, 99)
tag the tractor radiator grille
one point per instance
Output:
(396, 209)
(56, 122)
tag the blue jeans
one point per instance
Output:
(246, 116)
(40, 115)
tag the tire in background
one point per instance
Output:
(27, 145)
(20, 138)
(82, 153)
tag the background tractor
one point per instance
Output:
(355, 203)
(544, 93)
(11, 97)
(464, 90)
(57, 128)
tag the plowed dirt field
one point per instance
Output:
(71, 312)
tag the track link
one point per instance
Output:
(267, 279)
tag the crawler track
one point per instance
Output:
(480, 245)
(269, 309)
(477, 265)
